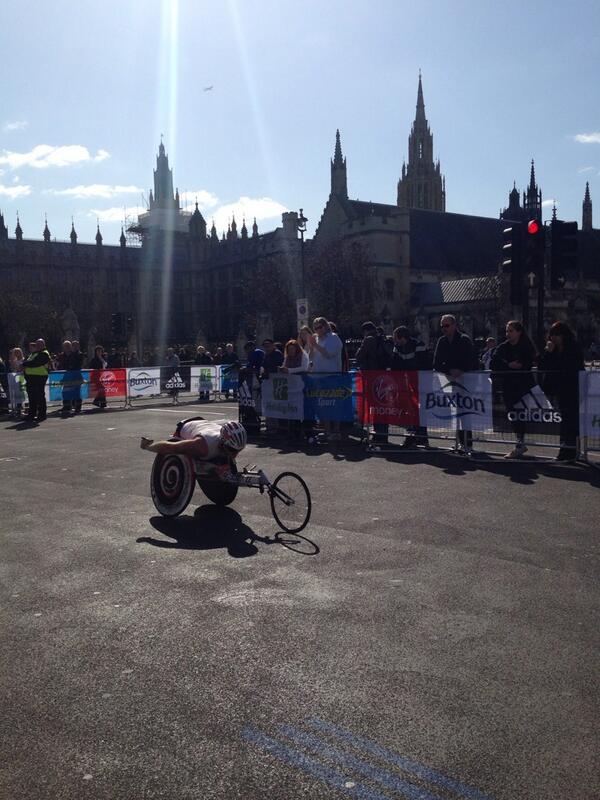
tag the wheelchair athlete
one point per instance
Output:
(205, 440)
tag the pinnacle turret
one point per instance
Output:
(339, 180)
(586, 218)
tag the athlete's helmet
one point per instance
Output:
(233, 435)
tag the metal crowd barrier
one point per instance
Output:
(385, 405)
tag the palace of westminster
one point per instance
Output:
(426, 260)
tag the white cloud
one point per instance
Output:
(588, 138)
(117, 213)
(205, 199)
(550, 202)
(263, 208)
(96, 190)
(18, 125)
(15, 191)
(586, 169)
(46, 155)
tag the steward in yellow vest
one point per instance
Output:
(36, 368)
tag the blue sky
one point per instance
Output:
(89, 87)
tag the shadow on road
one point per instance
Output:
(213, 527)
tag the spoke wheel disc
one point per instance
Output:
(294, 516)
(172, 484)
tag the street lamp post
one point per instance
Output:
(301, 226)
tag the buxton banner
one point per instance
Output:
(108, 383)
(69, 385)
(589, 404)
(143, 382)
(283, 396)
(391, 397)
(463, 403)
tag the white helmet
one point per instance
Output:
(233, 435)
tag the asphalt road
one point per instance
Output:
(432, 633)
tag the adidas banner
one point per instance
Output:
(589, 404)
(283, 396)
(143, 382)
(175, 380)
(463, 403)
(520, 404)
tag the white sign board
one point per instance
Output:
(463, 403)
(143, 382)
(283, 396)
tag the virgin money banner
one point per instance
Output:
(175, 380)
(328, 398)
(203, 379)
(463, 403)
(589, 404)
(111, 383)
(69, 385)
(391, 397)
(283, 396)
(143, 382)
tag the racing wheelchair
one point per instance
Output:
(174, 478)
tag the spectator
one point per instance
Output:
(114, 359)
(99, 362)
(133, 360)
(345, 359)
(74, 364)
(255, 357)
(272, 361)
(486, 355)
(172, 363)
(561, 363)
(4, 393)
(203, 358)
(61, 359)
(410, 354)
(453, 356)
(15, 363)
(218, 356)
(512, 362)
(326, 349)
(305, 341)
(370, 356)
(230, 367)
(296, 359)
(249, 387)
(36, 368)
(61, 364)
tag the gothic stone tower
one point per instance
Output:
(586, 217)
(421, 184)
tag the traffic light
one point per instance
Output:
(129, 325)
(564, 252)
(535, 247)
(512, 260)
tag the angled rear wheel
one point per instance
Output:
(172, 484)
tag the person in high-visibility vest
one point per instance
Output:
(36, 368)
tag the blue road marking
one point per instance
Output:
(298, 759)
(399, 761)
(382, 776)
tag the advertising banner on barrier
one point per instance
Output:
(16, 388)
(519, 400)
(67, 386)
(391, 397)
(143, 382)
(283, 396)
(463, 403)
(589, 404)
(110, 383)
(228, 378)
(328, 397)
(203, 379)
(174, 380)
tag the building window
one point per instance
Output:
(389, 288)
(421, 149)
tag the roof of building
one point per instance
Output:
(467, 290)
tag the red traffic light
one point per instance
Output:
(533, 227)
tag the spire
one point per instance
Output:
(18, 230)
(164, 196)
(213, 231)
(532, 185)
(420, 102)
(122, 239)
(532, 198)
(46, 229)
(339, 181)
(177, 205)
(73, 235)
(3, 229)
(244, 229)
(554, 217)
(98, 235)
(254, 228)
(234, 233)
(586, 219)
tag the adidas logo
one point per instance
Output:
(534, 406)
(176, 382)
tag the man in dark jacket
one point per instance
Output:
(371, 355)
(75, 363)
(454, 355)
(411, 355)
